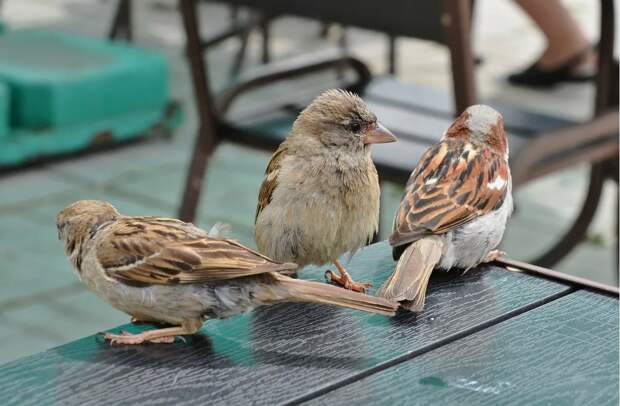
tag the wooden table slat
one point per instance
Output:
(564, 352)
(274, 354)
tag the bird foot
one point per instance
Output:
(125, 338)
(346, 282)
(493, 255)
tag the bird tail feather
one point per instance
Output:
(410, 279)
(315, 292)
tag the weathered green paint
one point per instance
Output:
(276, 353)
(23, 145)
(562, 353)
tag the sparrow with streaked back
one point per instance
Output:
(164, 270)
(455, 208)
(320, 195)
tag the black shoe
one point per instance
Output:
(535, 76)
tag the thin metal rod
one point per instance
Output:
(206, 137)
(264, 26)
(548, 273)
(121, 24)
(456, 20)
(392, 54)
(605, 75)
(577, 231)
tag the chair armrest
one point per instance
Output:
(594, 141)
(292, 68)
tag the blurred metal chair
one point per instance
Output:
(417, 116)
(121, 22)
(121, 28)
(594, 142)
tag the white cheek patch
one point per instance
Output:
(498, 183)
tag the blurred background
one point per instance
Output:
(82, 117)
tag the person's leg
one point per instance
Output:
(569, 57)
(565, 40)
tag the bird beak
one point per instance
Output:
(379, 135)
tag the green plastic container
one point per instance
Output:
(4, 110)
(61, 93)
(61, 79)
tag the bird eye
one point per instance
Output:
(354, 127)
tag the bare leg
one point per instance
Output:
(565, 40)
(493, 255)
(345, 279)
(163, 335)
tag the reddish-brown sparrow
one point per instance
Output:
(456, 205)
(164, 270)
(320, 196)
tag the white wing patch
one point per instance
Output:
(497, 184)
(127, 267)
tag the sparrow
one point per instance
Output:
(166, 271)
(456, 205)
(320, 195)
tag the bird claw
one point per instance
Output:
(126, 338)
(358, 286)
(493, 256)
(163, 340)
(346, 282)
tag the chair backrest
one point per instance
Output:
(409, 18)
(442, 21)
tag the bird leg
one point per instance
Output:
(138, 320)
(162, 335)
(493, 255)
(345, 279)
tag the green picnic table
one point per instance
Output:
(494, 335)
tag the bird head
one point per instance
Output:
(340, 119)
(76, 222)
(481, 124)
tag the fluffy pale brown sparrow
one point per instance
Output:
(320, 195)
(164, 270)
(456, 205)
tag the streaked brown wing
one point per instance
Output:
(271, 178)
(155, 251)
(452, 184)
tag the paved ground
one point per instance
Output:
(41, 302)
